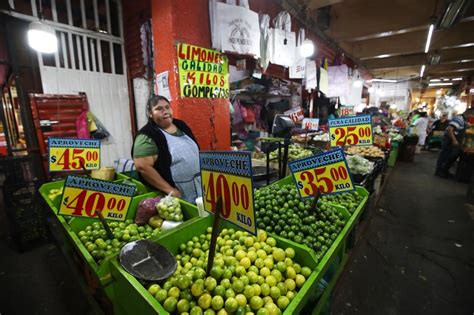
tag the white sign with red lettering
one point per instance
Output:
(296, 114)
(310, 123)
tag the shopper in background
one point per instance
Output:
(166, 154)
(441, 124)
(421, 125)
(451, 146)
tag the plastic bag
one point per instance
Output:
(82, 126)
(146, 210)
(169, 209)
(96, 127)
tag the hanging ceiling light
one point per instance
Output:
(42, 37)
(307, 48)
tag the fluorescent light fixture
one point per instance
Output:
(422, 71)
(454, 10)
(382, 56)
(383, 80)
(435, 80)
(439, 92)
(456, 79)
(441, 84)
(42, 37)
(428, 39)
(445, 79)
(307, 48)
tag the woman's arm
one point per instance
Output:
(144, 166)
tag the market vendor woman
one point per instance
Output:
(166, 154)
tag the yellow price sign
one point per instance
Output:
(229, 175)
(325, 173)
(67, 154)
(355, 130)
(82, 196)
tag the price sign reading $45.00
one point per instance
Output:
(354, 130)
(229, 174)
(82, 196)
(68, 154)
(327, 173)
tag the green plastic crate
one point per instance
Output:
(97, 275)
(133, 298)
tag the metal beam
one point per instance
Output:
(316, 4)
(414, 42)
(448, 56)
(353, 19)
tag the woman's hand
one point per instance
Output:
(176, 192)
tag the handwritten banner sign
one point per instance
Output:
(296, 114)
(203, 73)
(354, 130)
(346, 111)
(69, 154)
(327, 173)
(82, 196)
(310, 123)
(229, 174)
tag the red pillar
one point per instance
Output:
(187, 21)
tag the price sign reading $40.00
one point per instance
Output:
(68, 154)
(229, 174)
(354, 130)
(326, 173)
(82, 196)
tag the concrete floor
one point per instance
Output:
(38, 282)
(417, 253)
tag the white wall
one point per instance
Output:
(108, 99)
(142, 92)
(393, 93)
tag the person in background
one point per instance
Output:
(451, 146)
(441, 124)
(166, 154)
(421, 125)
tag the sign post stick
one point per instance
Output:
(110, 235)
(215, 233)
(315, 200)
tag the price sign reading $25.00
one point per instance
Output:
(229, 174)
(354, 130)
(68, 154)
(327, 173)
(82, 196)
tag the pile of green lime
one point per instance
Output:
(249, 274)
(94, 237)
(281, 211)
(349, 200)
(169, 209)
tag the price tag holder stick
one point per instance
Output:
(314, 205)
(215, 233)
(286, 144)
(110, 235)
(84, 169)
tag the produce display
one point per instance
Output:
(366, 151)
(169, 209)
(359, 165)
(349, 200)
(281, 211)
(54, 193)
(395, 136)
(295, 152)
(250, 274)
(94, 237)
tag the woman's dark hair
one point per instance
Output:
(423, 114)
(153, 101)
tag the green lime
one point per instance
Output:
(161, 295)
(256, 302)
(217, 302)
(170, 304)
(205, 301)
(182, 306)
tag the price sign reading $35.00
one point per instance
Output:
(354, 130)
(229, 174)
(327, 173)
(82, 196)
(68, 154)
